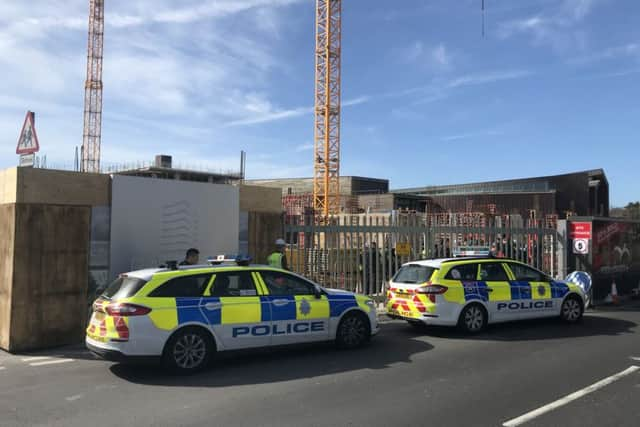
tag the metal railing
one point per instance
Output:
(362, 252)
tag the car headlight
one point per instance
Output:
(370, 303)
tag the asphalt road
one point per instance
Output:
(404, 377)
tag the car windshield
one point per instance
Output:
(123, 287)
(413, 273)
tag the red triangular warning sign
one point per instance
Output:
(28, 141)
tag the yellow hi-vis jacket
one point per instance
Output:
(275, 260)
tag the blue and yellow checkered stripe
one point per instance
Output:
(514, 290)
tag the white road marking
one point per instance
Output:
(569, 398)
(2, 368)
(51, 362)
(74, 397)
(635, 358)
(33, 359)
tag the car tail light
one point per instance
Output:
(431, 291)
(123, 309)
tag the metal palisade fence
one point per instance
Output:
(362, 252)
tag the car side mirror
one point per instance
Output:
(318, 292)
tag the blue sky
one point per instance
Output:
(551, 88)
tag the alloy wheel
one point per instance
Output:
(474, 319)
(571, 310)
(189, 351)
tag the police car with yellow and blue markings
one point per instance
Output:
(473, 292)
(185, 314)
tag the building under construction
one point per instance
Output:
(297, 193)
(163, 168)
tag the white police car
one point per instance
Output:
(185, 314)
(472, 292)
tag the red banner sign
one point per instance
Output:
(579, 230)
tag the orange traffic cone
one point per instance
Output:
(614, 292)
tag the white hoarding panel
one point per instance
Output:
(156, 220)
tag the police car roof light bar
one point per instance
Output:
(241, 260)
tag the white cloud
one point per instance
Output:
(559, 27)
(440, 55)
(486, 78)
(270, 113)
(356, 101)
(305, 147)
(429, 56)
(468, 135)
(578, 9)
(629, 50)
(271, 116)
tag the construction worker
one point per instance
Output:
(278, 258)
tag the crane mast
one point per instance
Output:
(91, 136)
(326, 179)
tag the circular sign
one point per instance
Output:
(581, 246)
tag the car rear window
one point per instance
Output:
(414, 273)
(123, 287)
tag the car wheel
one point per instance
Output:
(189, 350)
(353, 331)
(571, 310)
(473, 319)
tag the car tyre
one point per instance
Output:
(189, 350)
(572, 309)
(473, 319)
(353, 331)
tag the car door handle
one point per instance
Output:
(212, 305)
(489, 289)
(280, 302)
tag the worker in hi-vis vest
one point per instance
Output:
(278, 258)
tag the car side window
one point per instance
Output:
(493, 272)
(526, 274)
(286, 284)
(183, 286)
(463, 272)
(233, 284)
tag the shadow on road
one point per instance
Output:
(392, 345)
(74, 351)
(540, 329)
